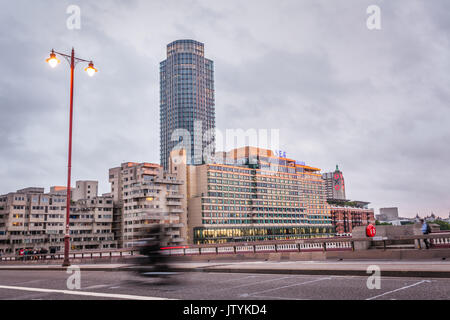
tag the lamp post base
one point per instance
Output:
(66, 262)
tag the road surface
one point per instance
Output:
(120, 285)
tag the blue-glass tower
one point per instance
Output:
(187, 99)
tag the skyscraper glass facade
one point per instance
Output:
(187, 100)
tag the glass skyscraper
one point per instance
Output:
(187, 101)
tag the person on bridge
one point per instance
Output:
(426, 229)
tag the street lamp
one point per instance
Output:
(53, 61)
(90, 69)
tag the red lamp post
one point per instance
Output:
(54, 61)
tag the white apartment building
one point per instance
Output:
(85, 190)
(33, 219)
(144, 195)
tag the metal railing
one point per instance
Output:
(87, 254)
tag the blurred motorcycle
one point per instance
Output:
(153, 263)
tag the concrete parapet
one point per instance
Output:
(388, 232)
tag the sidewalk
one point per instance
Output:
(428, 269)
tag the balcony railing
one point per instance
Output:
(174, 196)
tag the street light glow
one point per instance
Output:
(91, 70)
(53, 61)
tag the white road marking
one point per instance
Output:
(255, 283)
(402, 288)
(288, 286)
(31, 281)
(84, 293)
(234, 279)
(96, 286)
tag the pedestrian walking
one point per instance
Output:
(426, 229)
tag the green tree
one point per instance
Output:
(444, 225)
(378, 223)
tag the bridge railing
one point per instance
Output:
(438, 240)
(88, 254)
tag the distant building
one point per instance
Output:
(402, 221)
(433, 217)
(347, 215)
(60, 190)
(31, 218)
(335, 185)
(448, 219)
(387, 214)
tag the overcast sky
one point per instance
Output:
(376, 102)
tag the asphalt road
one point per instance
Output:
(114, 285)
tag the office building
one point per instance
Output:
(186, 100)
(252, 196)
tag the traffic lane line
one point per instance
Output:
(346, 283)
(228, 277)
(252, 284)
(283, 287)
(236, 279)
(192, 284)
(391, 282)
(400, 289)
(256, 283)
(89, 281)
(84, 293)
(28, 282)
(98, 286)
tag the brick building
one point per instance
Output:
(345, 217)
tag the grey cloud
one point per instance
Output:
(375, 102)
